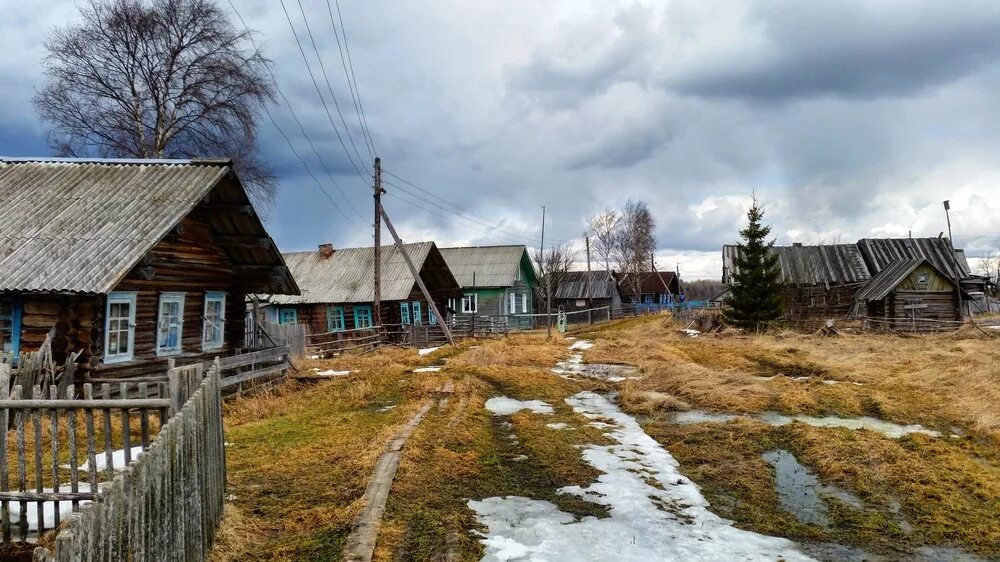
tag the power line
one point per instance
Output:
(322, 100)
(352, 85)
(454, 219)
(347, 47)
(289, 142)
(479, 218)
(329, 86)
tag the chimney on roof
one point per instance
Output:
(326, 250)
(797, 244)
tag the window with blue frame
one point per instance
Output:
(335, 319)
(664, 298)
(416, 312)
(288, 316)
(362, 317)
(647, 298)
(10, 325)
(404, 313)
(431, 319)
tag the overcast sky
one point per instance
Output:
(849, 119)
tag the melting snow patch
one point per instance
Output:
(331, 373)
(559, 425)
(889, 429)
(581, 345)
(665, 521)
(503, 406)
(428, 350)
(691, 333)
(48, 508)
(117, 459)
(427, 370)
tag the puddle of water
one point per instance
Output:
(945, 554)
(700, 416)
(798, 488)
(889, 429)
(606, 372)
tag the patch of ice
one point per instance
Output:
(117, 459)
(503, 406)
(428, 350)
(665, 521)
(581, 345)
(559, 425)
(332, 373)
(700, 416)
(431, 369)
(889, 429)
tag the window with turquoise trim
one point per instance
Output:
(288, 316)
(10, 325)
(362, 317)
(404, 313)
(335, 318)
(431, 319)
(416, 312)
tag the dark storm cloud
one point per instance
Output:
(856, 49)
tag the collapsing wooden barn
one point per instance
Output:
(910, 294)
(582, 290)
(128, 263)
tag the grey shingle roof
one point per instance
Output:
(80, 225)
(349, 274)
(586, 285)
(493, 266)
(829, 264)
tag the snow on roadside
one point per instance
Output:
(331, 373)
(428, 350)
(431, 369)
(503, 406)
(581, 345)
(665, 520)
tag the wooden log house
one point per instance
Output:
(910, 294)
(583, 290)
(129, 263)
(338, 289)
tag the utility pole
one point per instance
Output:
(652, 261)
(958, 266)
(548, 282)
(377, 304)
(587, 239)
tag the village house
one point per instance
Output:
(846, 279)
(661, 288)
(338, 288)
(129, 263)
(497, 281)
(910, 293)
(582, 290)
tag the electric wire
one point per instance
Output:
(352, 85)
(350, 62)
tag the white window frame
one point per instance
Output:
(214, 296)
(166, 298)
(513, 303)
(119, 298)
(524, 303)
(473, 299)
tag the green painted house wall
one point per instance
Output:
(496, 301)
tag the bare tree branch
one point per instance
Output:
(157, 79)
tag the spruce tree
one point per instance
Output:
(755, 294)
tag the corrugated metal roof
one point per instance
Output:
(878, 253)
(81, 226)
(888, 279)
(493, 266)
(349, 274)
(586, 285)
(828, 264)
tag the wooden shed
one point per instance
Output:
(909, 294)
(338, 288)
(129, 262)
(581, 290)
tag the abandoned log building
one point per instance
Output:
(129, 262)
(654, 287)
(852, 279)
(582, 290)
(496, 281)
(338, 288)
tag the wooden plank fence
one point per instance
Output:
(167, 503)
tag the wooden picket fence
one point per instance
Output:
(166, 503)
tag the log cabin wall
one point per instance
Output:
(186, 261)
(72, 317)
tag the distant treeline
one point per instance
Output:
(702, 289)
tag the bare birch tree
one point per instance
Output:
(603, 229)
(634, 244)
(555, 263)
(159, 79)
